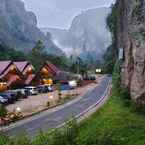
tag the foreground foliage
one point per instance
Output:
(111, 55)
(114, 124)
(117, 123)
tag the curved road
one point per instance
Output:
(47, 120)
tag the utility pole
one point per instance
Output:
(78, 65)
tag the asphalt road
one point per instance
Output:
(53, 119)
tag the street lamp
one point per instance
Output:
(18, 110)
(51, 97)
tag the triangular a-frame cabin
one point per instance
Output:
(9, 74)
(47, 71)
(27, 70)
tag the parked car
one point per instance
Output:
(31, 90)
(21, 93)
(8, 97)
(65, 87)
(50, 88)
(13, 94)
(24, 93)
(45, 88)
(3, 101)
(42, 89)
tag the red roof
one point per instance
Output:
(29, 79)
(52, 68)
(12, 79)
(21, 65)
(4, 66)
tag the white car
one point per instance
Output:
(32, 90)
(50, 89)
(73, 83)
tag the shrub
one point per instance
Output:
(118, 89)
(125, 95)
(59, 138)
(21, 140)
(116, 79)
(4, 140)
(3, 111)
(66, 136)
(42, 139)
(71, 132)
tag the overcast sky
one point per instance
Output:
(59, 13)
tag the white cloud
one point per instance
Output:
(59, 13)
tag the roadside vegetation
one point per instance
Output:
(117, 123)
(111, 55)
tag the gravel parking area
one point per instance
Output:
(34, 104)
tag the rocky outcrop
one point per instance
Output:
(18, 28)
(131, 37)
(87, 36)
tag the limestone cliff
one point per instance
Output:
(18, 28)
(131, 37)
(87, 35)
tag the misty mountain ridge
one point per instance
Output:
(87, 36)
(18, 28)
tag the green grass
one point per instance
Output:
(116, 122)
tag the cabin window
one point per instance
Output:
(3, 86)
(13, 69)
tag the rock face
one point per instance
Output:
(18, 28)
(87, 36)
(131, 37)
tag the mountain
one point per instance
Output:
(18, 28)
(87, 36)
(128, 17)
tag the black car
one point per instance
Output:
(12, 94)
(45, 88)
(22, 93)
(42, 89)
(8, 97)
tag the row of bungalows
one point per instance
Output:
(22, 73)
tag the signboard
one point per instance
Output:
(120, 53)
(98, 70)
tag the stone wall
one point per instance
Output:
(131, 37)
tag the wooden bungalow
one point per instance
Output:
(10, 77)
(27, 71)
(46, 73)
(50, 71)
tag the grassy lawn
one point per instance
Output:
(114, 124)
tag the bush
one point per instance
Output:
(59, 138)
(116, 79)
(67, 136)
(4, 140)
(21, 140)
(125, 95)
(3, 111)
(42, 139)
(118, 89)
(71, 132)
